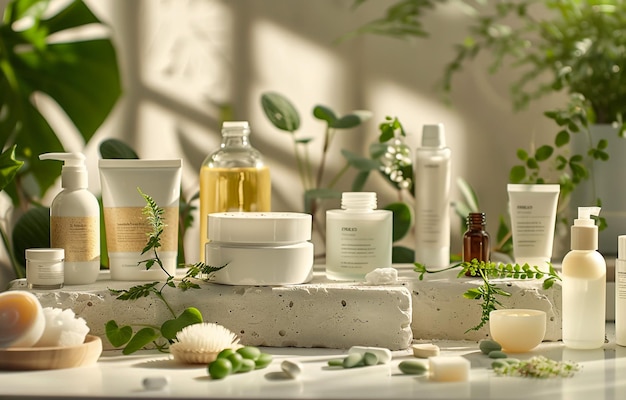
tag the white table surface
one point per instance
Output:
(603, 376)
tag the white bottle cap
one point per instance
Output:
(584, 231)
(434, 136)
(358, 200)
(74, 173)
(230, 127)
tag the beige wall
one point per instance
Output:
(182, 58)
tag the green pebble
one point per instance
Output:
(486, 346)
(249, 352)
(370, 358)
(263, 360)
(337, 362)
(511, 361)
(220, 368)
(501, 363)
(497, 354)
(353, 360)
(413, 367)
(236, 360)
(247, 365)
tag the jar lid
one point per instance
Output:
(259, 227)
(45, 254)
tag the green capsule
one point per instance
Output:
(413, 367)
(370, 358)
(220, 368)
(249, 352)
(336, 362)
(353, 360)
(497, 354)
(486, 346)
(225, 353)
(247, 365)
(236, 360)
(263, 360)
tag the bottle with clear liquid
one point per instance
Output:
(233, 178)
(584, 285)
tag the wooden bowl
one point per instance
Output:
(40, 358)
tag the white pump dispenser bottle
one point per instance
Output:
(584, 285)
(75, 221)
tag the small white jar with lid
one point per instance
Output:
(45, 268)
(260, 248)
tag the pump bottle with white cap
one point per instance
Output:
(584, 285)
(75, 221)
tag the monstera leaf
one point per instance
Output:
(42, 54)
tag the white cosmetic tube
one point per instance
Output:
(533, 217)
(126, 227)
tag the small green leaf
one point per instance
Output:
(325, 114)
(140, 340)
(402, 219)
(8, 166)
(118, 336)
(562, 138)
(543, 153)
(116, 149)
(280, 111)
(189, 316)
(517, 174)
(351, 120)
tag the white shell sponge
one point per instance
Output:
(200, 343)
(62, 329)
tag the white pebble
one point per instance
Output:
(383, 354)
(425, 350)
(292, 368)
(382, 276)
(156, 382)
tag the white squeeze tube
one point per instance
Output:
(533, 217)
(432, 199)
(126, 227)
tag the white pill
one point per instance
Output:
(425, 350)
(292, 368)
(156, 382)
(383, 354)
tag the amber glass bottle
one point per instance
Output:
(476, 239)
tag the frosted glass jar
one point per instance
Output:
(358, 237)
(257, 248)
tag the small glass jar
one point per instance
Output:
(476, 239)
(45, 268)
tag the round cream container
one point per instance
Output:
(260, 248)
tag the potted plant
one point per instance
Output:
(79, 73)
(574, 47)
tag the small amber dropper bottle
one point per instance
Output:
(476, 239)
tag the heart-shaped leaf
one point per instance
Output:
(118, 336)
(140, 340)
(171, 327)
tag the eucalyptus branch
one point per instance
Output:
(488, 291)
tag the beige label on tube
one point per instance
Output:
(77, 235)
(127, 229)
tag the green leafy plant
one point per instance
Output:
(489, 292)
(165, 334)
(573, 47)
(388, 157)
(79, 73)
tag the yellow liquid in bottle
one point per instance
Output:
(232, 189)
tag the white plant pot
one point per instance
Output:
(609, 180)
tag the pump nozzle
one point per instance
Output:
(74, 172)
(584, 231)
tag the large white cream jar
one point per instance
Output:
(260, 248)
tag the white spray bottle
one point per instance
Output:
(584, 285)
(75, 221)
